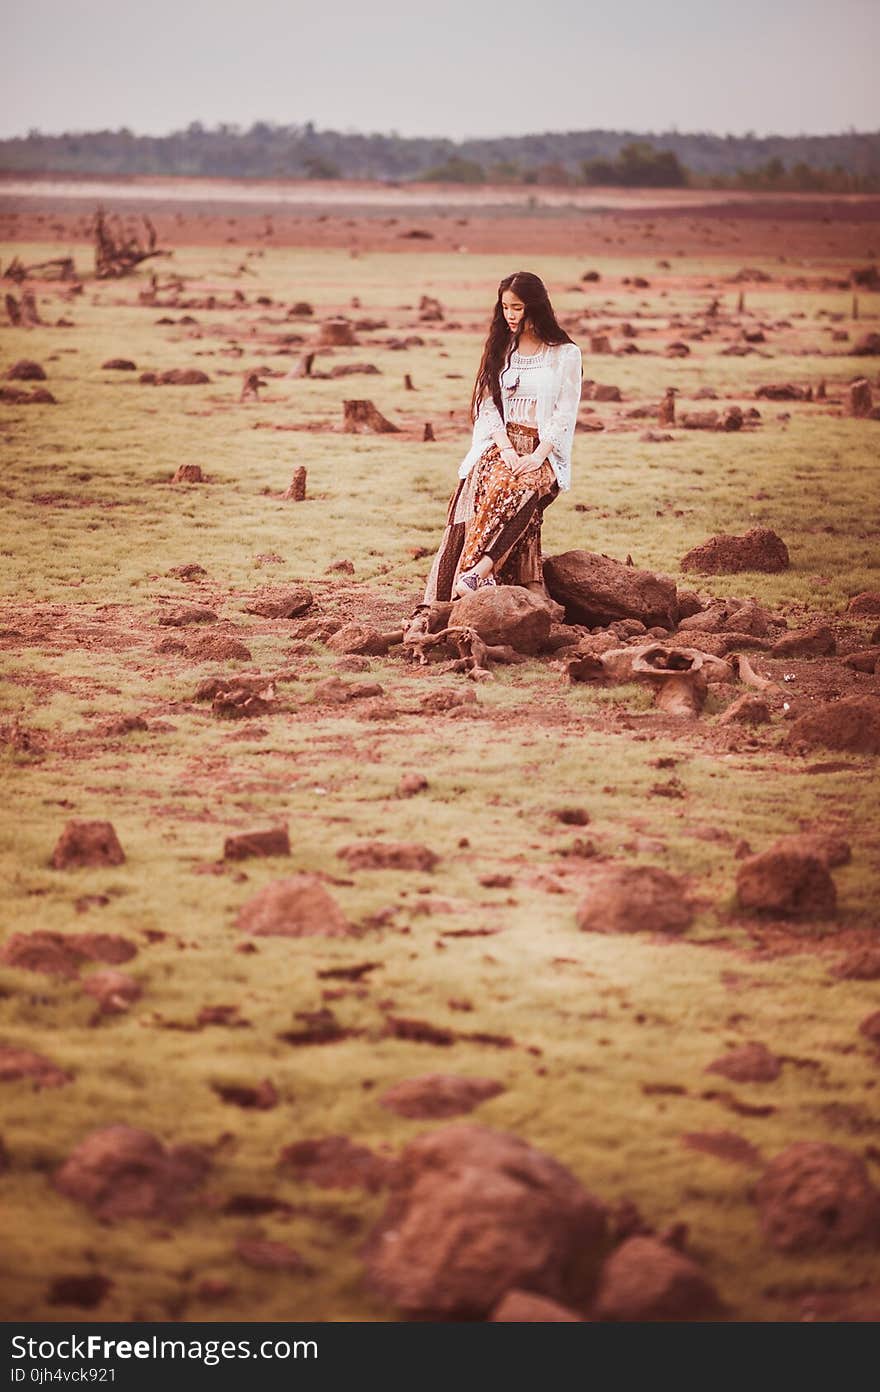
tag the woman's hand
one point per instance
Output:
(510, 458)
(527, 464)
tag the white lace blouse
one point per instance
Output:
(542, 389)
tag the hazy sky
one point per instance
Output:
(451, 67)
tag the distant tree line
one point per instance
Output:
(812, 163)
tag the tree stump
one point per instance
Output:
(429, 432)
(408, 382)
(296, 489)
(303, 367)
(855, 307)
(117, 254)
(337, 333)
(821, 391)
(13, 309)
(251, 387)
(860, 399)
(361, 417)
(741, 302)
(666, 414)
(600, 343)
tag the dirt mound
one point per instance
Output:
(830, 849)
(298, 907)
(868, 346)
(866, 604)
(358, 638)
(86, 1291)
(119, 365)
(183, 614)
(261, 1098)
(629, 898)
(335, 1162)
(596, 590)
(114, 991)
(791, 881)
(851, 724)
(217, 647)
(410, 784)
(25, 370)
(333, 691)
(274, 842)
(188, 473)
(439, 1095)
(121, 1172)
(182, 377)
(750, 1063)
(862, 964)
(870, 1027)
(759, 549)
(87, 843)
(748, 709)
(16, 1064)
(475, 1213)
(816, 641)
(505, 615)
(646, 1281)
(287, 604)
(814, 1196)
(388, 855)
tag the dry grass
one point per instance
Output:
(91, 528)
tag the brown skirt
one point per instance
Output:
(495, 513)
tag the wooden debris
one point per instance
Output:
(360, 417)
(116, 254)
(296, 489)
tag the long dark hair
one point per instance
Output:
(499, 346)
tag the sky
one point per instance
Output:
(455, 68)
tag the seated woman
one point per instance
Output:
(524, 408)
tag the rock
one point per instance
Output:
(266, 1255)
(524, 1307)
(759, 549)
(122, 1172)
(286, 605)
(183, 614)
(868, 346)
(505, 615)
(182, 377)
(87, 843)
(748, 709)
(786, 881)
(596, 590)
(335, 1162)
(411, 784)
(274, 842)
(119, 365)
(298, 907)
(816, 641)
(687, 604)
(25, 370)
(813, 1197)
(261, 1098)
(388, 855)
(865, 660)
(865, 605)
(113, 990)
(606, 391)
(475, 1213)
(750, 1063)
(448, 699)
(360, 638)
(60, 954)
(731, 419)
(646, 1281)
(631, 898)
(439, 1095)
(781, 391)
(16, 1064)
(851, 725)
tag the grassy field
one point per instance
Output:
(598, 1026)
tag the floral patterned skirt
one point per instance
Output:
(498, 514)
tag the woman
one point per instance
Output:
(524, 408)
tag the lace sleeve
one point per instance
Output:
(560, 428)
(488, 416)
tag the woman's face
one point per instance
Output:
(513, 310)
